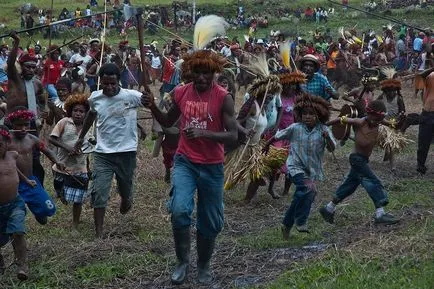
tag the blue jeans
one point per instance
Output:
(361, 173)
(208, 181)
(301, 203)
(52, 92)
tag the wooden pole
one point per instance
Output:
(145, 72)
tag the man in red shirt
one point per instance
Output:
(52, 70)
(207, 122)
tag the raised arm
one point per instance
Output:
(11, 69)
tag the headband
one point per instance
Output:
(370, 110)
(20, 114)
(5, 133)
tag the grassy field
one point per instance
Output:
(137, 251)
(422, 18)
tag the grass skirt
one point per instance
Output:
(392, 140)
(254, 165)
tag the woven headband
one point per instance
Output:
(370, 110)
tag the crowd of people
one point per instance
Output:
(282, 127)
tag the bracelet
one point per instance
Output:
(343, 119)
(393, 124)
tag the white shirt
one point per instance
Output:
(155, 62)
(116, 120)
(261, 124)
(226, 51)
(88, 12)
(77, 58)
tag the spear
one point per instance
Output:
(59, 22)
(145, 75)
(379, 16)
(65, 44)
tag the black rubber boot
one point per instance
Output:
(205, 248)
(182, 249)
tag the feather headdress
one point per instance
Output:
(286, 76)
(285, 53)
(206, 29)
(259, 66)
(390, 82)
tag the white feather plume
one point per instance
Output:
(389, 72)
(206, 28)
(341, 32)
(259, 65)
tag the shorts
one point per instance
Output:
(72, 189)
(122, 166)
(37, 199)
(12, 218)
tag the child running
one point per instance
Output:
(71, 186)
(308, 140)
(366, 134)
(12, 207)
(36, 198)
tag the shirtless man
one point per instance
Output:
(36, 198)
(25, 90)
(366, 134)
(361, 96)
(12, 207)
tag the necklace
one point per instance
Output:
(209, 98)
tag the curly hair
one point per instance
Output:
(319, 105)
(203, 59)
(76, 99)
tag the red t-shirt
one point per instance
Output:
(195, 111)
(52, 70)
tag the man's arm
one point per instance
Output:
(427, 72)
(11, 69)
(88, 121)
(165, 119)
(346, 120)
(329, 89)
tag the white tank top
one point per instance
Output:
(261, 124)
(156, 62)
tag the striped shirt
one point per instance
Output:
(306, 151)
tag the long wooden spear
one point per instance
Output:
(144, 64)
(58, 22)
(379, 16)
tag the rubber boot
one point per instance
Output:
(182, 249)
(205, 248)
(98, 216)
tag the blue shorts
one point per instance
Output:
(37, 199)
(12, 218)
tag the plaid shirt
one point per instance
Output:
(306, 150)
(319, 86)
